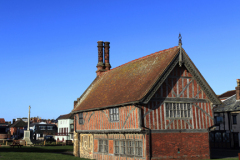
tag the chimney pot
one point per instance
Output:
(238, 90)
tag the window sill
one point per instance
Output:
(126, 155)
(184, 118)
(114, 121)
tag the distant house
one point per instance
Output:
(4, 129)
(17, 128)
(226, 95)
(155, 107)
(2, 120)
(42, 129)
(227, 120)
(65, 127)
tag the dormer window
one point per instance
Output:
(80, 118)
(113, 114)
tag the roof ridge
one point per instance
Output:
(140, 58)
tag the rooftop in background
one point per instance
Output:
(227, 94)
(2, 120)
(19, 123)
(66, 116)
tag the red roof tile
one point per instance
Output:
(2, 120)
(67, 116)
(129, 82)
(227, 94)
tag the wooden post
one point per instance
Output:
(6, 143)
(26, 143)
(44, 142)
(56, 142)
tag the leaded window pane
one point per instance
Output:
(185, 113)
(130, 147)
(123, 147)
(114, 114)
(167, 110)
(178, 110)
(103, 146)
(80, 118)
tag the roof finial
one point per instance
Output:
(180, 40)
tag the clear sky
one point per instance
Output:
(48, 49)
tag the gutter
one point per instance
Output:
(111, 106)
(149, 136)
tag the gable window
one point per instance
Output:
(103, 146)
(178, 110)
(113, 114)
(80, 118)
(234, 119)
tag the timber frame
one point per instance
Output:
(195, 73)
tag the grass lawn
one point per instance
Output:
(37, 153)
(226, 159)
(45, 153)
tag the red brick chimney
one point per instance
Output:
(238, 89)
(106, 56)
(100, 65)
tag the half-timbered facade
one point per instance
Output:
(155, 107)
(227, 119)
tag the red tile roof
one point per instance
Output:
(2, 120)
(227, 94)
(127, 83)
(67, 116)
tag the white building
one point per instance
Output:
(65, 128)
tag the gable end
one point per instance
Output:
(161, 80)
(200, 80)
(195, 73)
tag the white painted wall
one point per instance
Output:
(64, 123)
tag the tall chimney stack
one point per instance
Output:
(238, 89)
(100, 65)
(106, 56)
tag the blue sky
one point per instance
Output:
(48, 49)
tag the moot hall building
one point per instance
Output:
(155, 107)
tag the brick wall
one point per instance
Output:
(179, 146)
